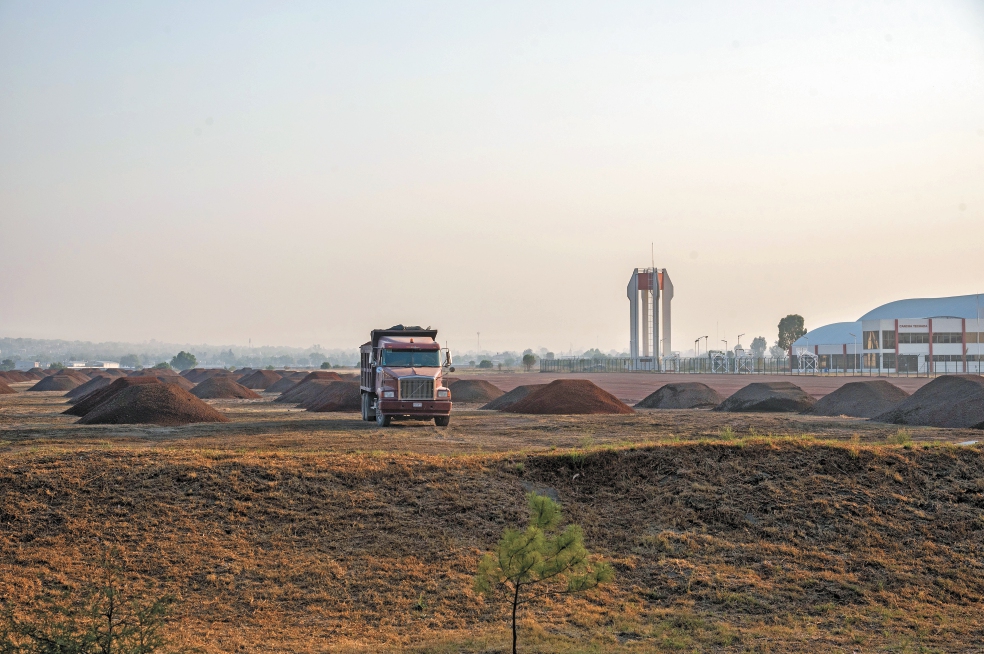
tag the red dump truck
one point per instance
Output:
(402, 376)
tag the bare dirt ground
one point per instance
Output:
(289, 531)
(630, 387)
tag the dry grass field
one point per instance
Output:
(288, 531)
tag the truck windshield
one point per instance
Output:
(412, 358)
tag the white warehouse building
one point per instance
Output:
(907, 336)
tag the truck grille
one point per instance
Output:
(416, 388)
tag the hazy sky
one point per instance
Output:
(300, 173)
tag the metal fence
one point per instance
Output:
(761, 366)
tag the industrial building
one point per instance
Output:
(650, 293)
(919, 335)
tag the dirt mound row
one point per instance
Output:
(6, 390)
(949, 401)
(223, 388)
(341, 396)
(863, 399)
(15, 377)
(90, 401)
(260, 380)
(685, 395)
(474, 390)
(769, 397)
(97, 382)
(57, 383)
(570, 397)
(503, 402)
(283, 384)
(198, 375)
(153, 404)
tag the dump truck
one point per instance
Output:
(403, 376)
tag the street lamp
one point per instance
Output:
(739, 340)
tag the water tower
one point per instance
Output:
(650, 292)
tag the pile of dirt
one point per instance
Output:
(198, 375)
(684, 395)
(474, 390)
(292, 379)
(15, 377)
(97, 382)
(57, 383)
(863, 399)
(6, 390)
(305, 391)
(343, 396)
(37, 373)
(90, 401)
(261, 379)
(153, 372)
(152, 404)
(223, 388)
(948, 401)
(503, 402)
(769, 396)
(569, 396)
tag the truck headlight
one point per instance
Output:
(443, 393)
(389, 394)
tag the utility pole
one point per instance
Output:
(479, 346)
(739, 340)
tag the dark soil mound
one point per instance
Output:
(311, 376)
(684, 395)
(223, 388)
(305, 391)
(153, 372)
(37, 373)
(198, 375)
(949, 401)
(15, 376)
(769, 396)
(261, 379)
(57, 383)
(474, 390)
(281, 385)
(90, 401)
(152, 404)
(502, 402)
(344, 396)
(864, 399)
(569, 396)
(6, 390)
(97, 382)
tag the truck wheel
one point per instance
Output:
(381, 420)
(368, 413)
(442, 421)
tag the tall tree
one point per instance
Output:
(539, 561)
(759, 346)
(529, 360)
(184, 360)
(790, 328)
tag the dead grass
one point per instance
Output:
(286, 532)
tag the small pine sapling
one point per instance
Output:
(539, 561)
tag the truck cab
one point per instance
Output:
(403, 376)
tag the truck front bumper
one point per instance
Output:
(414, 408)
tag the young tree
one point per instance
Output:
(184, 360)
(529, 360)
(325, 365)
(7, 364)
(485, 364)
(163, 365)
(539, 561)
(790, 328)
(106, 618)
(759, 346)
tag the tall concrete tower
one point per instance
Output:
(649, 290)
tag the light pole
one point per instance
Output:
(697, 347)
(739, 340)
(854, 366)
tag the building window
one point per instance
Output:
(919, 337)
(972, 337)
(948, 337)
(870, 340)
(908, 363)
(888, 360)
(888, 339)
(871, 360)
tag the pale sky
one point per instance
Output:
(300, 173)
